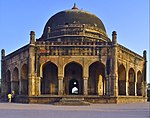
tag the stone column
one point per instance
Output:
(85, 76)
(20, 87)
(85, 82)
(20, 80)
(60, 85)
(48, 32)
(31, 66)
(38, 86)
(114, 75)
(11, 76)
(135, 84)
(127, 80)
(3, 83)
(107, 85)
(83, 29)
(145, 74)
(127, 87)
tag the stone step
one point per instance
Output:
(72, 101)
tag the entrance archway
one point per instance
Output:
(49, 81)
(96, 81)
(121, 80)
(8, 81)
(139, 83)
(24, 80)
(131, 77)
(15, 81)
(73, 82)
(73, 87)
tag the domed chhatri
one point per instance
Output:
(76, 63)
(74, 17)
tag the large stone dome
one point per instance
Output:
(73, 16)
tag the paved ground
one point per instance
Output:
(13, 110)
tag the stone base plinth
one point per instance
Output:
(79, 99)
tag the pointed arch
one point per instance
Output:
(121, 80)
(131, 76)
(43, 64)
(71, 61)
(15, 81)
(73, 72)
(139, 83)
(96, 81)
(49, 81)
(8, 81)
(24, 79)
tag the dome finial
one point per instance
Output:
(74, 7)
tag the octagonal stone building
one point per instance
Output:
(74, 58)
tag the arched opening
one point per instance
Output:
(24, 80)
(121, 80)
(15, 81)
(8, 82)
(73, 87)
(96, 81)
(73, 79)
(139, 84)
(49, 81)
(131, 76)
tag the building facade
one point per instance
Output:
(74, 57)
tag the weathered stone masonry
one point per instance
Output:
(74, 56)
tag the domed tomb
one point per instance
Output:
(74, 22)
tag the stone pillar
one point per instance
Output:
(31, 85)
(107, 85)
(85, 82)
(2, 54)
(83, 29)
(114, 75)
(145, 74)
(60, 85)
(3, 83)
(12, 86)
(20, 80)
(85, 76)
(135, 84)
(127, 88)
(31, 66)
(20, 87)
(38, 86)
(127, 81)
(48, 31)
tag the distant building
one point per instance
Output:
(74, 57)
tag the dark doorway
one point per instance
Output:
(73, 87)
(73, 79)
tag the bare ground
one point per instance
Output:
(13, 110)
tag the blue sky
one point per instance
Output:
(130, 18)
